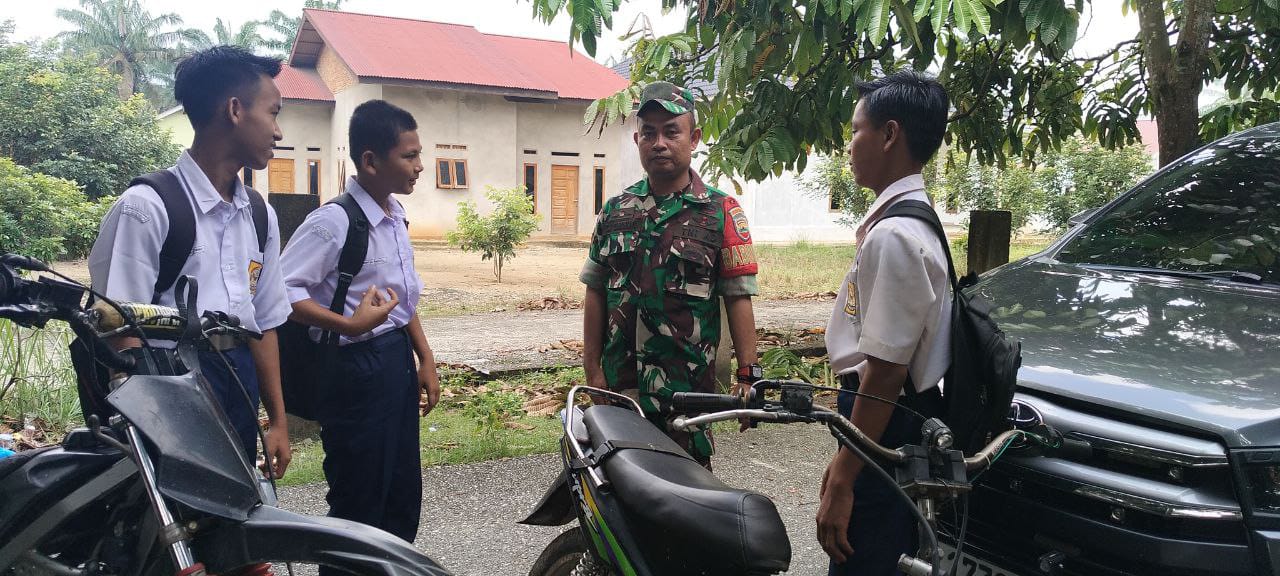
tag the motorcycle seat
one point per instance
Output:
(683, 516)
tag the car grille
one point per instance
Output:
(1156, 489)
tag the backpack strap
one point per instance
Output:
(923, 211)
(258, 207)
(181, 236)
(351, 260)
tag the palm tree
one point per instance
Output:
(126, 37)
(286, 27)
(247, 36)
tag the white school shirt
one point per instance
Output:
(231, 274)
(311, 261)
(895, 302)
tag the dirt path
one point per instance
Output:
(499, 340)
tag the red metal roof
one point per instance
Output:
(302, 84)
(417, 50)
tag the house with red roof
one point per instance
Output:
(492, 110)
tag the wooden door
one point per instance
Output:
(280, 175)
(564, 199)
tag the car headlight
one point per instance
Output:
(1261, 470)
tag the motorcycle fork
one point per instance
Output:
(171, 534)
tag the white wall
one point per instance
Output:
(304, 125)
(495, 132)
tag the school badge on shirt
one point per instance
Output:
(255, 272)
(851, 300)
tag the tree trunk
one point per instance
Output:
(1175, 73)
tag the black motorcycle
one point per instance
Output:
(645, 508)
(156, 483)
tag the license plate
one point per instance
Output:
(971, 566)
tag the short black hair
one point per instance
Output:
(917, 101)
(376, 126)
(205, 79)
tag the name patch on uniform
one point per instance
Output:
(255, 272)
(622, 221)
(739, 217)
(738, 256)
(851, 299)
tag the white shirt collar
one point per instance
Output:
(372, 211)
(202, 191)
(891, 194)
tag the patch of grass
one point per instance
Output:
(447, 436)
(37, 383)
(802, 268)
(453, 434)
(806, 268)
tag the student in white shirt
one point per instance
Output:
(890, 328)
(368, 410)
(232, 102)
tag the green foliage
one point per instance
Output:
(495, 236)
(833, 181)
(785, 71)
(36, 379)
(62, 117)
(1078, 176)
(781, 363)
(44, 216)
(247, 36)
(128, 40)
(492, 409)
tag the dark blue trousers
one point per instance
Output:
(243, 416)
(882, 527)
(369, 426)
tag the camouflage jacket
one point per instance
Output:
(662, 263)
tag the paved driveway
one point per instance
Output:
(470, 512)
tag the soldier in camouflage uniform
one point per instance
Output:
(662, 254)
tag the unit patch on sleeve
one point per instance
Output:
(739, 217)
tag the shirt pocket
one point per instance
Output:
(618, 252)
(691, 268)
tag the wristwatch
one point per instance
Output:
(749, 374)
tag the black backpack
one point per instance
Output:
(980, 382)
(305, 365)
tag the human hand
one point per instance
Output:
(429, 387)
(595, 379)
(834, 510)
(277, 445)
(372, 311)
(743, 389)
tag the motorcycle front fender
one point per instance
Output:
(274, 535)
(556, 507)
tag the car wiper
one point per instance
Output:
(1232, 275)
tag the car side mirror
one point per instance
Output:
(1080, 217)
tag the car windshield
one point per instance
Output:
(1215, 212)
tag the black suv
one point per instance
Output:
(1151, 337)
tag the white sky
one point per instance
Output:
(37, 19)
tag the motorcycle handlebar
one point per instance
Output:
(696, 402)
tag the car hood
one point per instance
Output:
(1196, 353)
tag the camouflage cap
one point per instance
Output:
(672, 98)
